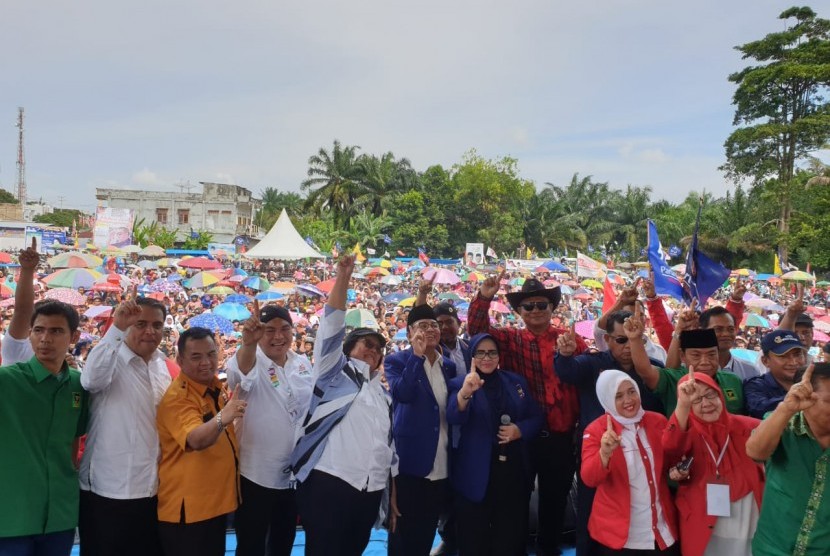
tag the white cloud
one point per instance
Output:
(146, 178)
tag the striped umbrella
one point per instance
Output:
(220, 290)
(257, 283)
(72, 278)
(201, 280)
(74, 259)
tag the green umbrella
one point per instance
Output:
(361, 318)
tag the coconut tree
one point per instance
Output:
(334, 181)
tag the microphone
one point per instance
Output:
(505, 420)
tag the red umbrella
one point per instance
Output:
(326, 285)
(5, 258)
(202, 263)
(106, 287)
(6, 291)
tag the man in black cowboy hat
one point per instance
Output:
(529, 351)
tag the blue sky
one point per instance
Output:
(147, 94)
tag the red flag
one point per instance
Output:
(609, 296)
(423, 256)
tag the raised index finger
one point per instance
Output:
(808, 374)
(608, 425)
(34, 243)
(256, 309)
(135, 292)
(691, 373)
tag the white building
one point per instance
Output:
(226, 211)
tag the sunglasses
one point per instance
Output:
(488, 354)
(620, 339)
(540, 305)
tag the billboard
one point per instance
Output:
(474, 254)
(113, 227)
(228, 249)
(46, 238)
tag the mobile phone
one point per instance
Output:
(684, 466)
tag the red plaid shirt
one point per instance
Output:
(532, 357)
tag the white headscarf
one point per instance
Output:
(607, 384)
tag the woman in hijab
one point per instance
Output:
(719, 497)
(622, 457)
(494, 418)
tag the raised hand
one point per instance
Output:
(419, 343)
(234, 408)
(566, 343)
(252, 329)
(686, 392)
(688, 319)
(629, 295)
(490, 287)
(425, 287)
(127, 313)
(738, 290)
(648, 286)
(29, 258)
(801, 395)
(346, 264)
(610, 439)
(796, 307)
(633, 326)
(472, 382)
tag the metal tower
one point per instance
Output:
(21, 161)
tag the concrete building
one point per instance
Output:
(36, 208)
(226, 211)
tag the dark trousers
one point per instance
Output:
(585, 545)
(203, 538)
(111, 527)
(50, 544)
(267, 518)
(420, 502)
(554, 463)
(496, 526)
(673, 550)
(337, 517)
(447, 523)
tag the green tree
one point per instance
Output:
(334, 181)
(412, 226)
(199, 242)
(59, 217)
(381, 179)
(781, 106)
(6, 197)
(273, 201)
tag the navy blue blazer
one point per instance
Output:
(473, 448)
(416, 418)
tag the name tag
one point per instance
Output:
(717, 499)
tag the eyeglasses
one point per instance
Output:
(540, 305)
(372, 346)
(426, 325)
(488, 354)
(711, 395)
(620, 339)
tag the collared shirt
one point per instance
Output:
(122, 447)
(440, 467)
(730, 383)
(532, 357)
(795, 515)
(41, 416)
(358, 448)
(457, 356)
(744, 369)
(763, 394)
(278, 399)
(194, 484)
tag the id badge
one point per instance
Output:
(717, 499)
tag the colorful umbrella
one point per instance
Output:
(220, 290)
(357, 318)
(5, 291)
(440, 275)
(152, 251)
(449, 296)
(326, 285)
(166, 286)
(202, 263)
(107, 287)
(555, 266)
(67, 295)
(391, 280)
(131, 248)
(282, 287)
(499, 307)
(517, 281)
(201, 280)
(376, 271)
(148, 265)
(751, 319)
(5, 258)
(309, 290)
(474, 276)
(591, 283)
(798, 276)
(211, 321)
(257, 283)
(98, 311)
(232, 311)
(395, 297)
(408, 302)
(74, 259)
(72, 278)
(239, 298)
(268, 296)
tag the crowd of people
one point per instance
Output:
(150, 433)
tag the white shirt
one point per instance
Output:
(278, 399)
(122, 445)
(640, 533)
(655, 351)
(435, 375)
(741, 367)
(457, 357)
(14, 351)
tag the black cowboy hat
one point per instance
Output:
(534, 288)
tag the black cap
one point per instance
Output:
(445, 308)
(358, 333)
(271, 312)
(534, 288)
(780, 342)
(420, 312)
(700, 338)
(804, 320)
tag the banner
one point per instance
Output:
(666, 281)
(474, 254)
(113, 227)
(228, 248)
(586, 267)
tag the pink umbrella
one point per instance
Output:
(66, 295)
(440, 275)
(585, 328)
(820, 336)
(199, 262)
(499, 307)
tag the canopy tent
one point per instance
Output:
(283, 242)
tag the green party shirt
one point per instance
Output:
(795, 515)
(730, 384)
(41, 415)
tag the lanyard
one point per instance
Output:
(720, 457)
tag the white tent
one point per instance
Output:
(283, 242)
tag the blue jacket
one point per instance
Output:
(416, 418)
(473, 449)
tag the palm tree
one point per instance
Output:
(631, 218)
(368, 230)
(381, 179)
(334, 182)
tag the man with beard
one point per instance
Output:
(418, 380)
(783, 355)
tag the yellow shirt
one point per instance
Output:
(194, 485)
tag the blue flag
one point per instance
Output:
(675, 251)
(386, 239)
(666, 281)
(703, 275)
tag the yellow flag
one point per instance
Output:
(358, 255)
(528, 254)
(777, 268)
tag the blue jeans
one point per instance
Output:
(50, 544)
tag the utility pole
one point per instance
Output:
(21, 161)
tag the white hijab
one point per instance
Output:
(607, 384)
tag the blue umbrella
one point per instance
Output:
(565, 290)
(395, 297)
(399, 335)
(268, 296)
(309, 290)
(212, 322)
(232, 311)
(238, 272)
(764, 277)
(238, 298)
(554, 266)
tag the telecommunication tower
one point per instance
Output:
(21, 161)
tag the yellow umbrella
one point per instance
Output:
(408, 302)
(220, 290)
(383, 263)
(376, 271)
(591, 283)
